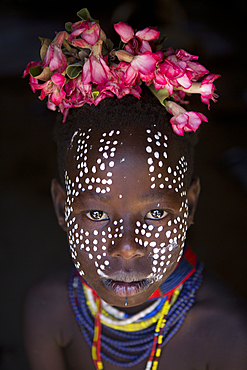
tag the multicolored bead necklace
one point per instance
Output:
(158, 323)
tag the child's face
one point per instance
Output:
(126, 211)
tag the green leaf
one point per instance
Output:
(45, 75)
(35, 71)
(68, 26)
(67, 45)
(44, 46)
(107, 47)
(95, 93)
(74, 70)
(84, 14)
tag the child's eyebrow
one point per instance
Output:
(173, 199)
(152, 196)
(96, 196)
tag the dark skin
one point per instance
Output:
(214, 333)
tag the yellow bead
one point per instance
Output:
(94, 356)
(155, 365)
(160, 339)
(158, 352)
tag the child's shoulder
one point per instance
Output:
(47, 308)
(217, 301)
(49, 293)
(219, 321)
(49, 323)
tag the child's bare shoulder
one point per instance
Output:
(219, 321)
(48, 317)
(216, 300)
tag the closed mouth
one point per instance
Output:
(126, 289)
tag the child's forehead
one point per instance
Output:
(141, 158)
(141, 142)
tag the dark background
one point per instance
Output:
(31, 242)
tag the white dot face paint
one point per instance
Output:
(104, 213)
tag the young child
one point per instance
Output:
(136, 295)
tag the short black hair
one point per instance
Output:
(129, 110)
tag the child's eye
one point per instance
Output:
(156, 214)
(97, 215)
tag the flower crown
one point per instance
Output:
(82, 66)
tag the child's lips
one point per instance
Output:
(126, 289)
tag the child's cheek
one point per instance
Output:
(165, 243)
(90, 247)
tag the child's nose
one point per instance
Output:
(126, 247)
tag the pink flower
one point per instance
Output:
(140, 66)
(183, 55)
(33, 80)
(139, 42)
(53, 88)
(117, 84)
(145, 63)
(77, 93)
(194, 70)
(89, 33)
(178, 70)
(207, 89)
(95, 70)
(184, 121)
(54, 56)
(174, 72)
(125, 31)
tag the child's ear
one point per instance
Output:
(59, 198)
(193, 195)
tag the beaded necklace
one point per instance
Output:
(143, 334)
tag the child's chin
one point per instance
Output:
(116, 292)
